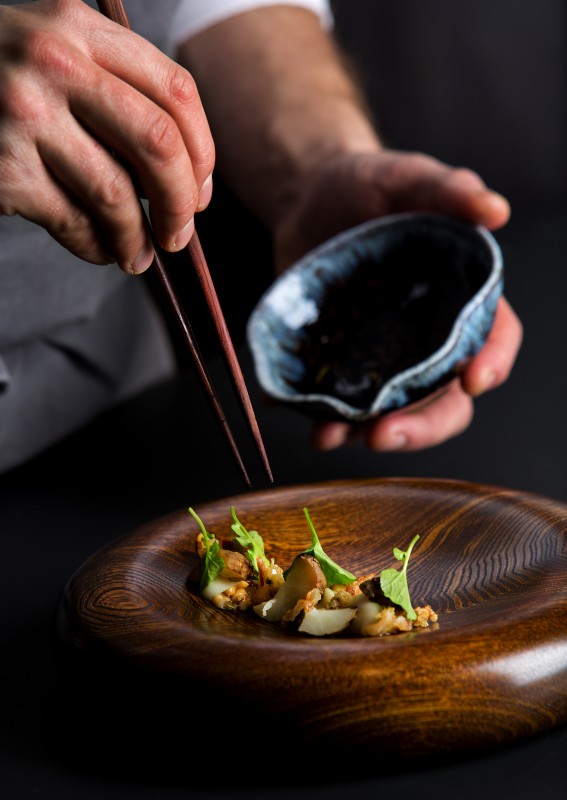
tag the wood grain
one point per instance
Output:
(491, 561)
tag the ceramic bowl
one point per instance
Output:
(378, 317)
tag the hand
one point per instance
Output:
(353, 188)
(91, 117)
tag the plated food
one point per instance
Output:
(492, 561)
(314, 595)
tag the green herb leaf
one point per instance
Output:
(332, 571)
(212, 563)
(250, 540)
(394, 582)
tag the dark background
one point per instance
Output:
(480, 85)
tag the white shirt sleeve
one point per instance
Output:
(193, 16)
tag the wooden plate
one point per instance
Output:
(491, 561)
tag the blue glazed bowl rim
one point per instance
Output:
(492, 286)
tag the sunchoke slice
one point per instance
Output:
(326, 621)
(304, 575)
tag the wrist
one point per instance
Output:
(281, 102)
(300, 154)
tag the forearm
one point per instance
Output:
(279, 100)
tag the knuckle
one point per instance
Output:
(78, 235)
(48, 52)
(464, 173)
(68, 226)
(182, 87)
(113, 194)
(39, 61)
(417, 162)
(189, 203)
(419, 159)
(75, 232)
(19, 103)
(206, 156)
(168, 220)
(183, 91)
(161, 138)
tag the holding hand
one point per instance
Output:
(352, 188)
(92, 116)
(295, 141)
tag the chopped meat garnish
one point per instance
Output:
(234, 598)
(392, 620)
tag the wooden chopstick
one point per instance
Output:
(114, 10)
(200, 265)
(179, 315)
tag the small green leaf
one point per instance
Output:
(250, 540)
(212, 563)
(332, 571)
(394, 582)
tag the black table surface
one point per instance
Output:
(162, 452)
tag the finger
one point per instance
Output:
(492, 366)
(67, 182)
(61, 60)
(50, 205)
(462, 192)
(445, 416)
(148, 138)
(329, 435)
(121, 52)
(169, 85)
(139, 104)
(107, 195)
(420, 182)
(156, 121)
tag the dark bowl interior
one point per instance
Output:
(397, 304)
(385, 317)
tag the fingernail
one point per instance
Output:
(398, 441)
(487, 381)
(205, 194)
(142, 260)
(498, 202)
(499, 198)
(184, 236)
